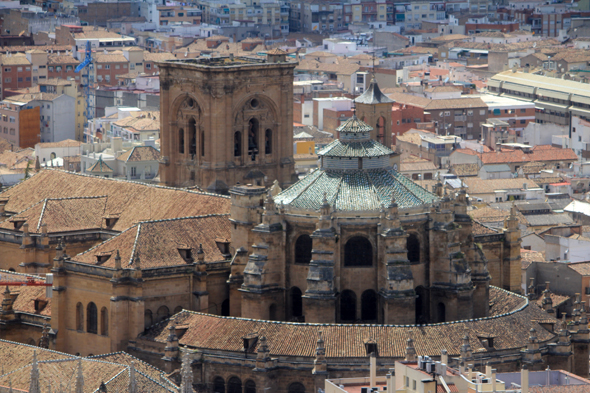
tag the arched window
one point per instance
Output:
(148, 318)
(358, 251)
(177, 309)
(202, 143)
(91, 318)
(237, 144)
(413, 246)
(272, 312)
(218, 385)
(234, 385)
(250, 386)
(52, 156)
(163, 313)
(441, 312)
(225, 308)
(11, 270)
(192, 134)
(181, 141)
(348, 306)
(268, 142)
(296, 302)
(296, 387)
(303, 247)
(79, 317)
(253, 137)
(104, 322)
(369, 305)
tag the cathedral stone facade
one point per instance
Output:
(355, 241)
(226, 121)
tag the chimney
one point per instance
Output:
(444, 357)
(524, 379)
(493, 380)
(488, 371)
(373, 369)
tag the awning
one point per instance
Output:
(579, 111)
(580, 99)
(518, 87)
(550, 105)
(553, 94)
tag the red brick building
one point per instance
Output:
(62, 67)
(108, 66)
(16, 72)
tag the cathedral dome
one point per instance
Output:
(356, 173)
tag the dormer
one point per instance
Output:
(186, 252)
(223, 245)
(18, 222)
(110, 220)
(102, 257)
(250, 342)
(371, 347)
(40, 305)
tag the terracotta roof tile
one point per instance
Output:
(64, 143)
(157, 243)
(538, 153)
(133, 201)
(465, 169)
(61, 60)
(341, 340)
(485, 186)
(140, 153)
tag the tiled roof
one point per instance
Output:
(373, 95)
(276, 51)
(557, 301)
(64, 143)
(15, 60)
(368, 148)
(133, 202)
(465, 169)
(480, 229)
(26, 295)
(539, 153)
(354, 125)
(354, 190)
(100, 167)
(410, 99)
(62, 215)
(60, 370)
(560, 389)
(110, 58)
(157, 242)
(160, 56)
(581, 267)
(456, 103)
(487, 186)
(549, 219)
(299, 339)
(33, 97)
(61, 60)
(140, 153)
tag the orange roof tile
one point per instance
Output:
(134, 202)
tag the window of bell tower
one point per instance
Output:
(358, 251)
(181, 141)
(237, 144)
(253, 126)
(192, 132)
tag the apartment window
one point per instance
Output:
(523, 122)
(107, 78)
(99, 78)
(414, 384)
(447, 113)
(107, 67)
(28, 68)
(7, 69)
(4, 118)
(124, 65)
(12, 119)
(28, 79)
(148, 66)
(117, 67)
(48, 106)
(19, 69)
(523, 111)
(12, 131)
(133, 171)
(469, 125)
(579, 138)
(20, 79)
(131, 66)
(6, 130)
(469, 113)
(69, 68)
(482, 112)
(42, 67)
(58, 68)
(99, 67)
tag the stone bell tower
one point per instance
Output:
(374, 108)
(227, 120)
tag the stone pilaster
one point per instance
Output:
(319, 300)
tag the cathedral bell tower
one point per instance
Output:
(227, 120)
(374, 108)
